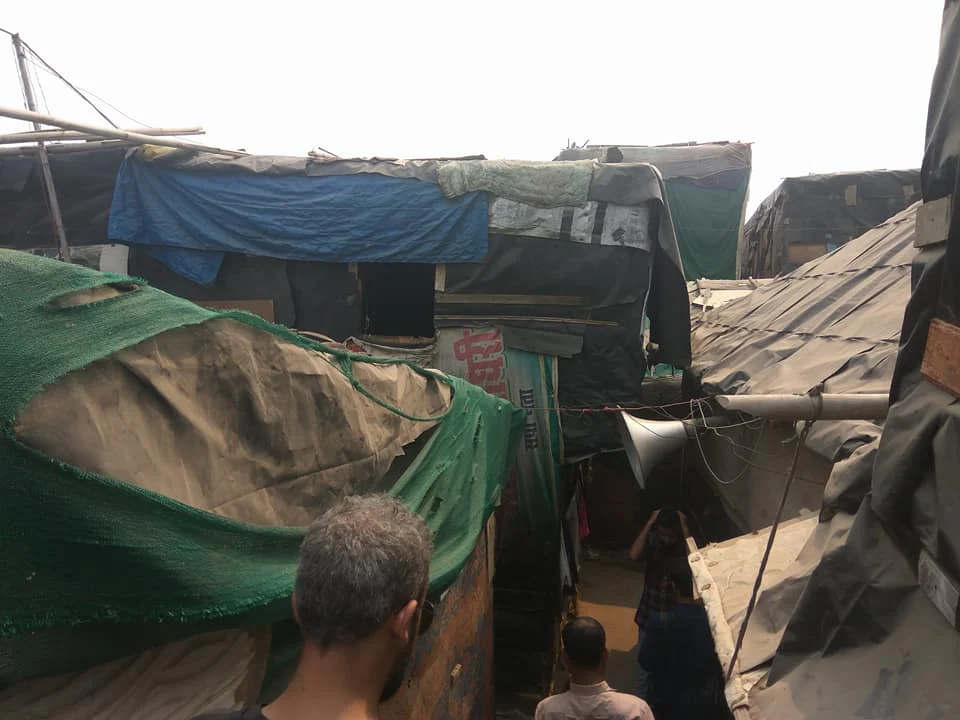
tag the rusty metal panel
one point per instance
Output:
(452, 675)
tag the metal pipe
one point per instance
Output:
(872, 406)
(35, 117)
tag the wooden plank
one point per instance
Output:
(440, 278)
(933, 222)
(941, 356)
(531, 318)
(263, 308)
(495, 299)
(452, 669)
(800, 254)
(850, 195)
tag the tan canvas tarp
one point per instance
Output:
(226, 417)
(172, 682)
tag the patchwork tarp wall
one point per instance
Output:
(576, 282)
(706, 186)
(160, 461)
(807, 217)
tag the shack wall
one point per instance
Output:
(452, 676)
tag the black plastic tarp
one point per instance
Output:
(84, 182)
(812, 215)
(318, 297)
(835, 320)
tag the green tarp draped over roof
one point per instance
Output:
(95, 568)
(707, 222)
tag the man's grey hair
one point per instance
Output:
(363, 560)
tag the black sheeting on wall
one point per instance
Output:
(84, 183)
(608, 372)
(604, 275)
(613, 281)
(319, 297)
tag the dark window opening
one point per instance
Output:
(398, 299)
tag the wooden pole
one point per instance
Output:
(134, 137)
(63, 250)
(47, 135)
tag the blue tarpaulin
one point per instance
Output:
(189, 219)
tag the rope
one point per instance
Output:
(816, 392)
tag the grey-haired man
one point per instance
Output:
(360, 601)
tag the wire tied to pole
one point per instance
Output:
(816, 393)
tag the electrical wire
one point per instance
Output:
(67, 83)
(43, 94)
(709, 468)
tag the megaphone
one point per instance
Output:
(647, 442)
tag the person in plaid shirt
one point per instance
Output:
(662, 538)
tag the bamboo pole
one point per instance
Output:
(63, 250)
(60, 149)
(54, 135)
(134, 137)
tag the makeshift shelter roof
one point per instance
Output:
(706, 188)
(835, 320)
(694, 161)
(806, 217)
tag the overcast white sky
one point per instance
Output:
(817, 86)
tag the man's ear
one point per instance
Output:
(296, 611)
(402, 624)
(606, 656)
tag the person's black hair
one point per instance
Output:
(585, 642)
(669, 519)
(677, 569)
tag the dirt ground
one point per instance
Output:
(609, 590)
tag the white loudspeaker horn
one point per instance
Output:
(647, 442)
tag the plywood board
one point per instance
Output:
(941, 356)
(800, 254)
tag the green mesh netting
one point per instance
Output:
(94, 568)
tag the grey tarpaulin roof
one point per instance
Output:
(835, 319)
(809, 216)
(694, 161)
